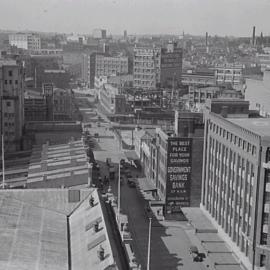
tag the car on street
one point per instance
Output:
(131, 183)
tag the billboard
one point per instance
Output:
(179, 160)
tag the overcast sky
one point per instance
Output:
(221, 17)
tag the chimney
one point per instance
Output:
(254, 36)
(206, 39)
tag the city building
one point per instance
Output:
(25, 41)
(146, 67)
(264, 61)
(171, 66)
(100, 64)
(199, 95)
(172, 162)
(35, 109)
(229, 74)
(52, 132)
(56, 229)
(12, 103)
(99, 33)
(199, 79)
(59, 77)
(235, 182)
(63, 104)
(112, 100)
(59, 165)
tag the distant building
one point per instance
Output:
(53, 132)
(58, 77)
(29, 42)
(229, 74)
(99, 64)
(235, 186)
(12, 103)
(111, 100)
(199, 79)
(199, 95)
(63, 106)
(146, 67)
(99, 33)
(171, 66)
(157, 67)
(35, 109)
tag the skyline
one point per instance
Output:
(225, 18)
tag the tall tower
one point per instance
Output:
(206, 39)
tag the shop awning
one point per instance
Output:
(146, 185)
(131, 155)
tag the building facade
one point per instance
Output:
(99, 33)
(235, 184)
(100, 64)
(229, 74)
(171, 66)
(12, 103)
(30, 42)
(146, 67)
(111, 100)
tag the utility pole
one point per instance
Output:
(119, 187)
(149, 244)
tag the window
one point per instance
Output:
(8, 103)
(10, 73)
(16, 81)
(5, 81)
(10, 81)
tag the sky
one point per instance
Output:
(217, 17)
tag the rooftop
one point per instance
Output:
(54, 162)
(260, 126)
(34, 226)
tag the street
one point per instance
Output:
(169, 244)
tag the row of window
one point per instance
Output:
(10, 82)
(237, 141)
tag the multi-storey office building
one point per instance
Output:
(157, 67)
(108, 65)
(25, 41)
(12, 103)
(146, 67)
(171, 66)
(100, 64)
(235, 184)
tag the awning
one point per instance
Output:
(146, 185)
(131, 155)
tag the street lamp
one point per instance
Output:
(149, 244)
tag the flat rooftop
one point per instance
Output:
(260, 126)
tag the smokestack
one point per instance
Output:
(254, 36)
(262, 38)
(206, 39)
